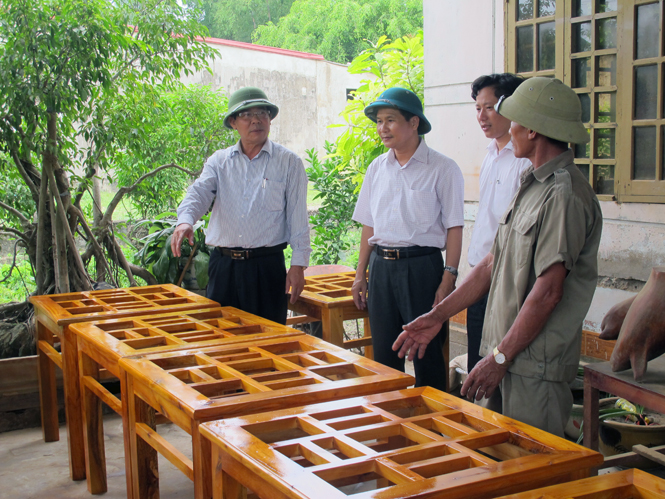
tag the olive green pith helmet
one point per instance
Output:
(246, 98)
(546, 106)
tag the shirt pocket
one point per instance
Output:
(422, 208)
(522, 238)
(274, 197)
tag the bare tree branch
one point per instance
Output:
(143, 274)
(106, 219)
(13, 306)
(16, 213)
(11, 269)
(14, 232)
(24, 174)
(98, 251)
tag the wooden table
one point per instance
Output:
(628, 484)
(327, 298)
(650, 392)
(413, 443)
(101, 344)
(192, 386)
(54, 314)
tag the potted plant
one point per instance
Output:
(157, 257)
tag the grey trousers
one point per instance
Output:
(398, 292)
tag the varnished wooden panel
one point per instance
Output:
(54, 314)
(413, 443)
(102, 343)
(628, 484)
(196, 385)
(68, 308)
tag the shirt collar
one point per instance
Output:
(267, 147)
(420, 155)
(547, 169)
(494, 147)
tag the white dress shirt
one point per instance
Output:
(414, 204)
(259, 202)
(499, 181)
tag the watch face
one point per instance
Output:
(500, 358)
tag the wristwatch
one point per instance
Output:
(500, 357)
(450, 269)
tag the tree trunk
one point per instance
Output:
(96, 222)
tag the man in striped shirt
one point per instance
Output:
(259, 190)
(411, 206)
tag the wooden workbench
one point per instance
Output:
(192, 386)
(101, 344)
(54, 314)
(415, 443)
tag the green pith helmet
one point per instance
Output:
(400, 98)
(248, 97)
(546, 106)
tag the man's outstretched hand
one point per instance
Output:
(417, 335)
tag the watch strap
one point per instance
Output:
(452, 270)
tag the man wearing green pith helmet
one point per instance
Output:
(541, 272)
(259, 190)
(411, 206)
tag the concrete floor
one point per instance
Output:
(30, 468)
(33, 469)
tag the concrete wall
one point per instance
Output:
(465, 39)
(310, 91)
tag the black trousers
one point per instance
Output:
(398, 292)
(475, 318)
(255, 285)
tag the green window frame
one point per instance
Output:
(619, 75)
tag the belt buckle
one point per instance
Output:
(390, 254)
(240, 254)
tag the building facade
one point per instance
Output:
(611, 52)
(309, 91)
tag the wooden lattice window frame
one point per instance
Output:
(626, 188)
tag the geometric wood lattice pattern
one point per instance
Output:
(192, 386)
(413, 443)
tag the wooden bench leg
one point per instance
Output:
(367, 333)
(93, 429)
(48, 396)
(202, 459)
(332, 324)
(73, 405)
(224, 486)
(144, 465)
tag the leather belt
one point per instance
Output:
(401, 253)
(247, 253)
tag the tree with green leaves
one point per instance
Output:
(236, 20)
(339, 29)
(63, 65)
(177, 129)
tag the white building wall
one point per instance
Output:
(465, 39)
(309, 91)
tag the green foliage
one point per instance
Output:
(14, 193)
(154, 127)
(235, 20)
(156, 253)
(333, 218)
(394, 64)
(19, 284)
(338, 29)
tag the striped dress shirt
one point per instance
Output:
(259, 202)
(414, 204)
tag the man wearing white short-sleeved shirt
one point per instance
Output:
(499, 181)
(411, 206)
